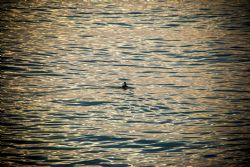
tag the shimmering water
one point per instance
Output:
(62, 63)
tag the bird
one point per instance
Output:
(124, 85)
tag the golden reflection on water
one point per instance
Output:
(78, 57)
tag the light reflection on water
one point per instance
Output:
(62, 64)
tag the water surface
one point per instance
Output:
(62, 64)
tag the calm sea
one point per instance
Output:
(63, 64)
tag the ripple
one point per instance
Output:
(164, 146)
(76, 102)
(87, 162)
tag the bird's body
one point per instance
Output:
(124, 86)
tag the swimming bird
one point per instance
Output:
(124, 86)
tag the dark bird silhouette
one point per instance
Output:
(124, 86)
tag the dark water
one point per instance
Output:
(62, 63)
